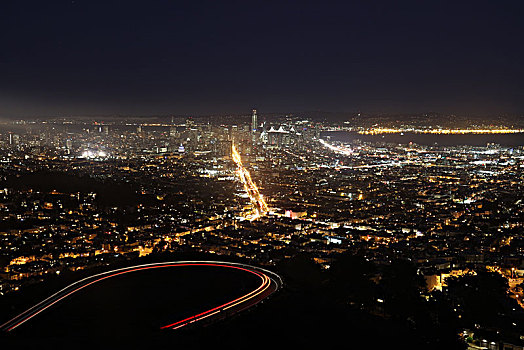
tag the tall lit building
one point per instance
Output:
(254, 126)
(254, 121)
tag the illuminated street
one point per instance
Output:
(259, 204)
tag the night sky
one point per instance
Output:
(88, 57)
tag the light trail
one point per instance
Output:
(263, 287)
(257, 200)
(270, 282)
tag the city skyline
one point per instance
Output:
(399, 218)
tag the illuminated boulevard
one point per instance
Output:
(269, 283)
(258, 202)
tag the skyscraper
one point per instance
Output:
(254, 121)
(254, 126)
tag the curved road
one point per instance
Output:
(269, 283)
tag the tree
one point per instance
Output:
(481, 298)
(401, 288)
(350, 280)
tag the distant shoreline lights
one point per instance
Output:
(376, 131)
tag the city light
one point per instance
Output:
(337, 149)
(90, 154)
(439, 131)
(118, 194)
(258, 202)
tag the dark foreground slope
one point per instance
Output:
(314, 309)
